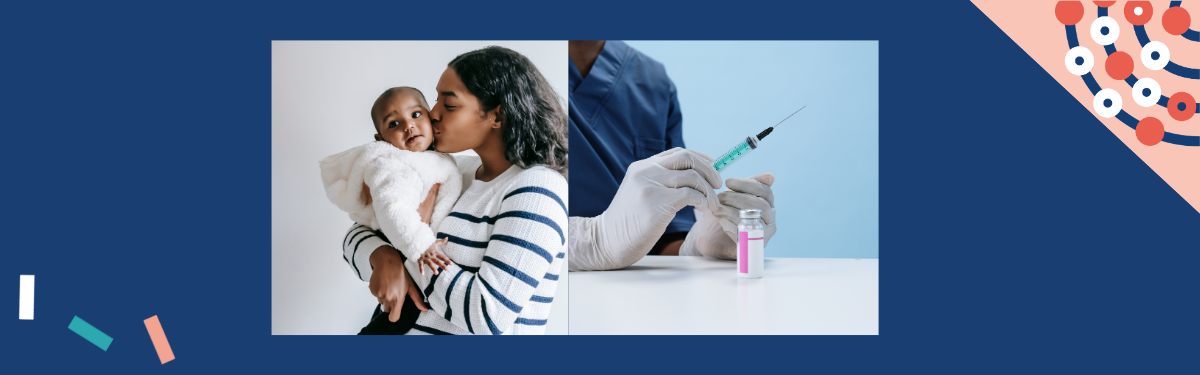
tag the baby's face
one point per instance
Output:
(404, 122)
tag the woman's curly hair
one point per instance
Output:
(534, 125)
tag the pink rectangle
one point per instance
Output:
(743, 252)
(160, 340)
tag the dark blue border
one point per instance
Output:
(1017, 233)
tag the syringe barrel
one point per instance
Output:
(736, 153)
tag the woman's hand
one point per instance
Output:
(426, 207)
(390, 283)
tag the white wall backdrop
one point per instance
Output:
(321, 95)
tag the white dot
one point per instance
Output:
(1147, 55)
(1140, 88)
(1100, 24)
(1114, 106)
(1079, 52)
(1137, 11)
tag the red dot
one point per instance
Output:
(1138, 19)
(1068, 12)
(1119, 65)
(1189, 106)
(1149, 131)
(1176, 20)
(1104, 4)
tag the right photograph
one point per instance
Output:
(724, 187)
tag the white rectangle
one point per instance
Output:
(685, 295)
(26, 297)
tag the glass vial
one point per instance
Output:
(750, 244)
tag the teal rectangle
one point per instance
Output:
(90, 333)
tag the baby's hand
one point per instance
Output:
(434, 258)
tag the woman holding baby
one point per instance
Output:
(505, 240)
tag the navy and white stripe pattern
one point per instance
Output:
(508, 242)
(357, 246)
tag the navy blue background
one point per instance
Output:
(136, 141)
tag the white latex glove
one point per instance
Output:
(715, 233)
(653, 190)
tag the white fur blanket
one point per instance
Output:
(398, 181)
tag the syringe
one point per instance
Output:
(750, 144)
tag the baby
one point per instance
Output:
(381, 184)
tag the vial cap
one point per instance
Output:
(750, 213)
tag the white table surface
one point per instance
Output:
(694, 295)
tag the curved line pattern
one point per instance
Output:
(1072, 39)
(1190, 34)
(1129, 120)
(1172, 67)
(1110, 49)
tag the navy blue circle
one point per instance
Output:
(1154, 55)
(1146, 92)
(1107, 103)
(1182, 106)
(1079, 60)
(1104, 30)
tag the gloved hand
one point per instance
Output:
(652, 191)
(715, 233)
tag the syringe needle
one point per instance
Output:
(789, 116)
(746, 146)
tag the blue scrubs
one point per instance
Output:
(624, 111)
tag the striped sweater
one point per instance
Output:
(508, 243)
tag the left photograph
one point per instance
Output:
(418, 187)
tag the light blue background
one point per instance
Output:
(825, 158)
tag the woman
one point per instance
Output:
(506, 231)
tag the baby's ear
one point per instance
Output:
(378, 137)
